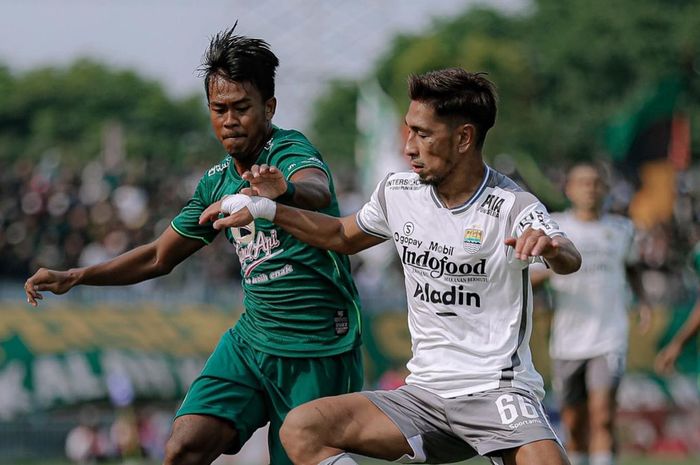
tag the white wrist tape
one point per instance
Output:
(259, 207)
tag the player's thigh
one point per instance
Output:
(349, 422)
(545, 452)
(421, 417)
(605, 371)
(569, 381)
(229, 388)
(603, 377)
(500, 420)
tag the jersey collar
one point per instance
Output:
(465, 206)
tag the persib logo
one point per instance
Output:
(472, 240)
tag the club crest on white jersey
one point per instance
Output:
(472, 240)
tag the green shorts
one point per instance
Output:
(250, 388)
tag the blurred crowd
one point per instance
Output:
(123, 434)
(61, 217)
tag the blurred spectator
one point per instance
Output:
(669, 354)
(58, 217)
(87, 442)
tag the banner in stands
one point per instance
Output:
(65, 355)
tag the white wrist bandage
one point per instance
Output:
(259, 207)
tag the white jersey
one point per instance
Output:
(590, 317)
(469, 299)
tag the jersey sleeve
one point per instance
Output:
(295, 156)
(186, 223)
(372, 217)
(535, 216)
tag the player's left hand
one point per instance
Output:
(534, 243)
(265, 181)
(666, 359)
(211, 213)
(236, 219)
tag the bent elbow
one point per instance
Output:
(161, 265)
(572, 267)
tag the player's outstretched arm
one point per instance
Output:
(559, 252)
(139, 264)
(327, 232)
(341, 235)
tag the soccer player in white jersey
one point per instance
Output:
(465, 234)
(589, 335)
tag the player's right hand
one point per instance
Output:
(58, 282)
(666, 359)
(266, 181)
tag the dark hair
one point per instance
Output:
(454, 92)
(240, 59)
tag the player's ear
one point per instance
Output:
(270, 107)
(466, 134)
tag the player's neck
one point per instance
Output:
(462, 182)
(587, 214)
(244, 164)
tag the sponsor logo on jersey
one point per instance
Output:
(472, 240)
(538, 219)
(492, 205)
(244, 234)
(264, 277)
(429, 265)
(441, 248)
(405, 240)
(455, 295)
(313, 162)
(219, 168)
(408, 228)
(257, 251)
(403, 184)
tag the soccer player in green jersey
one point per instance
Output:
(299, 336)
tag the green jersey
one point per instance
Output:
(299, 300)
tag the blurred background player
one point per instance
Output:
(299, 336)
(668, 355)
(588, 344)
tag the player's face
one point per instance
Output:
(585, 188)
(239, 116)
(431, 144)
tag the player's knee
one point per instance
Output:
(300, 435)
